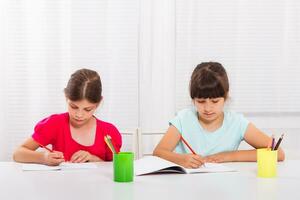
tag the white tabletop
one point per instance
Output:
(89, 184)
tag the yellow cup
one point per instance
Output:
(266, 163)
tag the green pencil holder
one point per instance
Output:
(123, 166)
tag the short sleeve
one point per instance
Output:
(116, 140)
(243, 125)
(45, 130)
(177, 123)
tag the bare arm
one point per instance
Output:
(166, 146)
(253, 137)
(26, 153)
(257, 139)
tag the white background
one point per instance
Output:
(145, 51)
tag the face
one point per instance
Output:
(81, 112)
(209, 109)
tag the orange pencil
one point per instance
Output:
(185, 142)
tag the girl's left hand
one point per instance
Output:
(80, 157)
(219, 157)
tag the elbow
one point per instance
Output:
(281, 155)
(15, 156)
(155, 152)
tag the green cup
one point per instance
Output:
(123, 166)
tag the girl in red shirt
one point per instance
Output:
(76, 136)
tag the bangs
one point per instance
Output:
(207, 86)
(213, 90)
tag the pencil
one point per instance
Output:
(109, 143)
(44, 147)
(185, 142)
(278, 143)
(269, 147)
(273, 142)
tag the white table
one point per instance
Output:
(98, 184)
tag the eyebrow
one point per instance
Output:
(72, 104)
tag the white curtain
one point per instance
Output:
(43, 42)
(145, 51)
(157, 64)
(257, 42)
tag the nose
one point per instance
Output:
(207, 107)
(78, 114)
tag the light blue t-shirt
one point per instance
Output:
(226, 138)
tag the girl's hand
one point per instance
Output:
(81, 157)
(219, 157)
(53, 158)
(192, 161)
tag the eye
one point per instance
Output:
(88, 110)
(73, 107)
(215, 101)
(200, 101)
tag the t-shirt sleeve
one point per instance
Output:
(116, 140)
(176, 121)
(45, 130)
(243, 125)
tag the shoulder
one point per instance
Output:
(54, 119)
(107, 126)
(232, 116)
(187, 113)
(236, 121)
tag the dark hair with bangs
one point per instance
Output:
(209, 80)
(84, 84)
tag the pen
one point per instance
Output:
(278, 143)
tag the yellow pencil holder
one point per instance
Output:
(266, 163)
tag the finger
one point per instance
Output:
(73, 158)
(195, 164)
(82, 159)
(77, 158)
(55, 162)
(198, 158)
(57, 154)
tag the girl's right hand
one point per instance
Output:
(53, 158)
(192, 161)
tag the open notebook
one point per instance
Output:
(62, 166)
(154, 165)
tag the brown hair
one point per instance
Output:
(84, 84)
(209, 80)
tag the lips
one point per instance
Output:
(209, 114)
(79, 120)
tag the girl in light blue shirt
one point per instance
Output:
(212, 133)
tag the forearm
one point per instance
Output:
(25, 155)
(249, 155)
(169, 155)
(94, 158)
(242, 156)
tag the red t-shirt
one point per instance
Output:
(55, 130)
